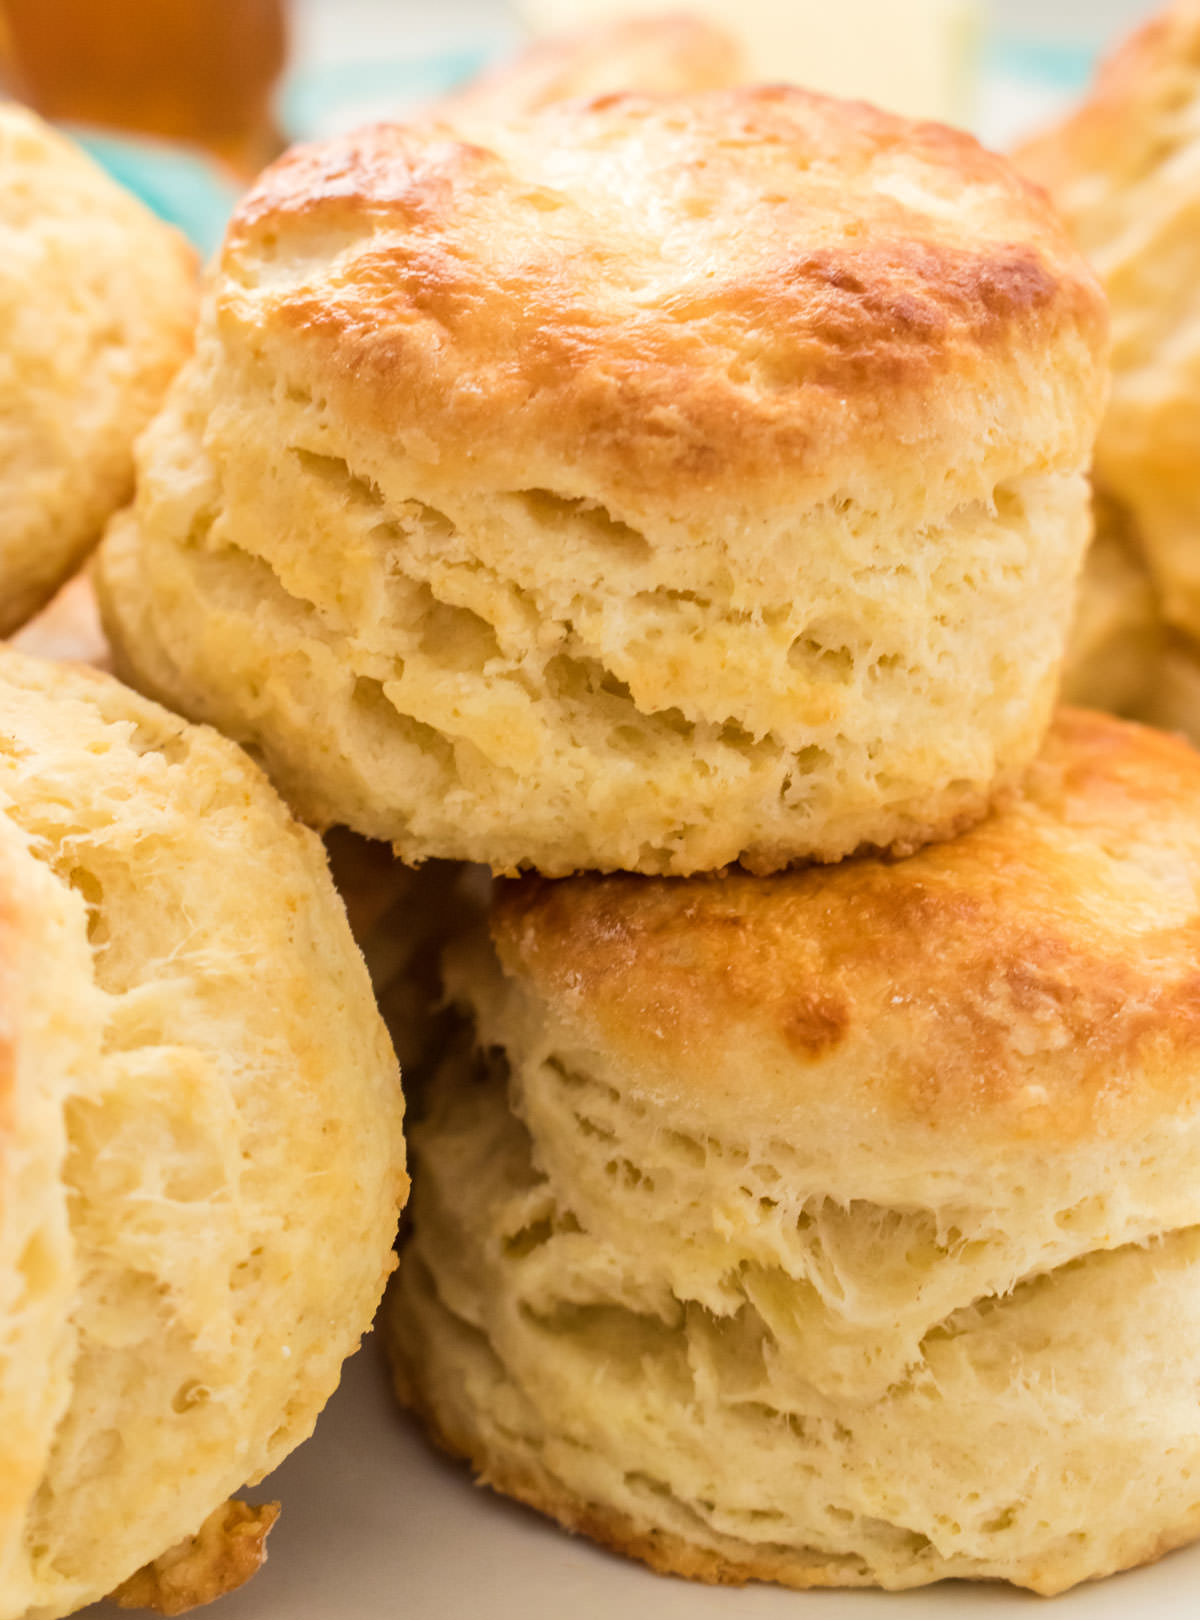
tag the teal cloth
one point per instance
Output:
(1061, 64)
(311, 97)
(180, 185)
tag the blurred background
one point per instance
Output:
(184, 100)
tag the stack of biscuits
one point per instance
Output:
(642, 531)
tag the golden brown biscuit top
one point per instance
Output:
(670, 298)
(1138, 115)
(1038, 976)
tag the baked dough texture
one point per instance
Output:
(1117, 636)
(202, 1149)
(647, 483)
(1173, 698)
(229, 1548)
(97, 305)
(1124, 170)
(402, 917)
(841, 1227)
(672, 51)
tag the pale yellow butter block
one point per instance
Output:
(918, 58)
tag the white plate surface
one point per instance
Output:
(375, 1526)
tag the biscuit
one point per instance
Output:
(840, 1227)
(1117, 635)
(402, 917)
(203, 1156)
(97, 306)
(1124, 170)
(670, 52)
(1172, 700)
(648, 483)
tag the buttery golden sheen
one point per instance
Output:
(840, 1227)
(1124, 170)
(1117, 635)
(202, 1157)
(651, 482)
(97, 305)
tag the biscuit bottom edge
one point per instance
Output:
(522, 1477)
(524, 1480)
(947, 1412)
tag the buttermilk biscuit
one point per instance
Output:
(402, 918)
(840, 1227)
(202, 1150)
(1125, 172)
(674, 51)
(97, 304)
(649, 483)
(1117, 635)
(1172, 699)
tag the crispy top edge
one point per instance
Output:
(735, 292)
(1038, 976)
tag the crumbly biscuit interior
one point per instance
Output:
(761, 1348)
(519, 668)
(208, 1304)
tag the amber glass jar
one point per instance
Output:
(202, 71)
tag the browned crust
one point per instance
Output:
(1049, 986)
(229, 1547)
(477, 303)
